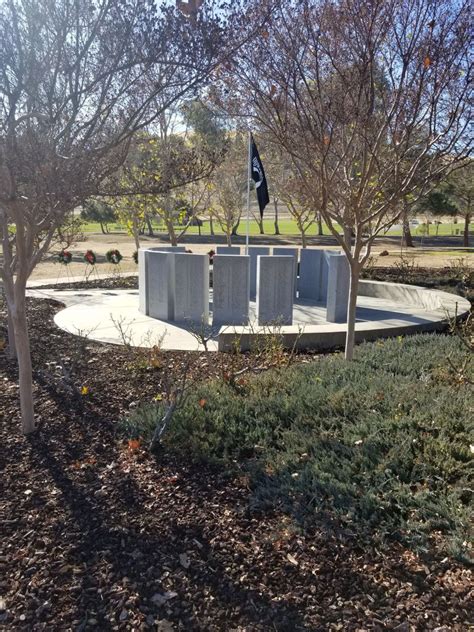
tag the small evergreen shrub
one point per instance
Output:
(384, 442)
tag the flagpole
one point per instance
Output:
(249, 176)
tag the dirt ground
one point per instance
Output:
(100, 535)
(429, 256)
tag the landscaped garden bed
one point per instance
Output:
(315, 497)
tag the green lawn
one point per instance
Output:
(287, 227)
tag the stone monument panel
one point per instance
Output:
(227, 250)
(254, 252)
(327, 254)
(309, 280)
(168, 248)
(275, 289)
(142, 289)
(231, 290)
(289, 252)
(338, 289)
(160, 284)
(191, 285)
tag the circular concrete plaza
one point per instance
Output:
(383, 310)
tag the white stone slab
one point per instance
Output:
(275, 289)
(338, 289)
(309, 280)
(227, 250)
(191, 285)
(231, 290)
(160, 287)
(289, 252)
(254, 252)
(142, 299)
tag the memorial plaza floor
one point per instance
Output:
(112, 316)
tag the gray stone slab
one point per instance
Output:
(191, 285)
(143, 272)
(309, 280)
(323, 286)
(160, 288)
(254, 252)
(231, 290)
(227, 250)
(289, 252)
(338, 289)
(168, 248)
(142, 292)
(275, 289)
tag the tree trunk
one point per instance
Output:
(150, 227)
(229, 238)
(235, 228)
(407, 239)
(171, 233)
(465, 242)
(12, 354)
(102, 228)
(275, 223)
(211, 226)
(347, 236)
(351, 311)
(260, 227)
(320, 225)
(24, 361)
(136, 239)
(303, 237)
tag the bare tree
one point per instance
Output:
(78, 78)
(228, 187)
(368, 99)
(293, 194)
(460, 189)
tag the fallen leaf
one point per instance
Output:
(134, 444)
(292, 559)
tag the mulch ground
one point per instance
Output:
(99, 536)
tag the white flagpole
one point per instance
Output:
(249, 176)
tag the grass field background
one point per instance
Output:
(287, 227)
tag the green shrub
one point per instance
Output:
(383, 442)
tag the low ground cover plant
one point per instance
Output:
(381, 446)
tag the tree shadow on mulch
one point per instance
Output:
(128, 547)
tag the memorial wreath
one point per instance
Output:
(65, 257)
(113, 256)
(90, 257)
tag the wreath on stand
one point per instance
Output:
(90, 257)
(113, 256)
(65, 257)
